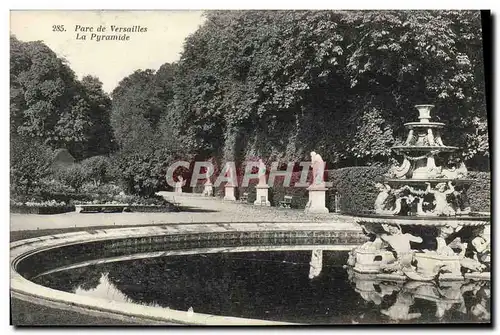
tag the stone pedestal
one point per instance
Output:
(316, 202)
(262, 197)
(208, 191)
(229, 193)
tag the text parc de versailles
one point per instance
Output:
(117, 33)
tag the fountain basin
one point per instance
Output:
(412, 125)
(101, 247)
(466, 220)
(423, 148)
(419, 181)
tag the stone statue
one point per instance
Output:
(442, 248)
(430, 137)
(179, 184)
(482, 246)
(409, 139)
(262, 173)
(318, 166)
(400, 243)
(400, 172)
(381, 206)
(454, 172)
(442, 207)
(209, 173)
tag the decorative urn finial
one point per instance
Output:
(424, 112)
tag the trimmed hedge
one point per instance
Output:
(356, 187)
(479, 192)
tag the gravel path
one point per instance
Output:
(195, 209)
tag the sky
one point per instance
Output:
(110, 60)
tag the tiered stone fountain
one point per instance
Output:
(423, 228)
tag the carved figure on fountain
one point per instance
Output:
(400, 244)
(418, 186)
(440, 192)
(390, 201)
(482, 246)
(400, 172)
(459, 172)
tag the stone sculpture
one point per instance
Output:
(401, 171)
(318, 167)
(262, 173)
(442, 207)
(400, 243)
(420, 188)
(179, 184)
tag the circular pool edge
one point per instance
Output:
(27, 290)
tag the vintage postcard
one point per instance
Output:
(250, 167)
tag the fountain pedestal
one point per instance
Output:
(262, 196)
(317, 196)
(229, 193)
(423, 217)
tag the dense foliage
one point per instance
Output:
(30, 162)
(144, 172)
(272, 84)
(479, 193)
(282, 83)
(356, 187)
(140, 111)
(48, 103)
(74, 176)
(99, 169)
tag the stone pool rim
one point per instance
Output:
(25, 289)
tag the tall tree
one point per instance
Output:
(101, 134)
(282, 83)
(140, 106)
(48, 103)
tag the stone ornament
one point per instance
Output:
(416, 197)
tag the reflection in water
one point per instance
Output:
(298, 286)
(316, 263)
(448, 297)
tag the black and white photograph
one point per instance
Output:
(250, 167)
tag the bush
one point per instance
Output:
(74, 176)
(30, 162)
(143, 172)
(99, 169)
(124, 199)
(52, 185)
(479, 192)
(110, 189)
(356, 188)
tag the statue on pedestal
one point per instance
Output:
(262, 173)
(318, 166)
(179, 184)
